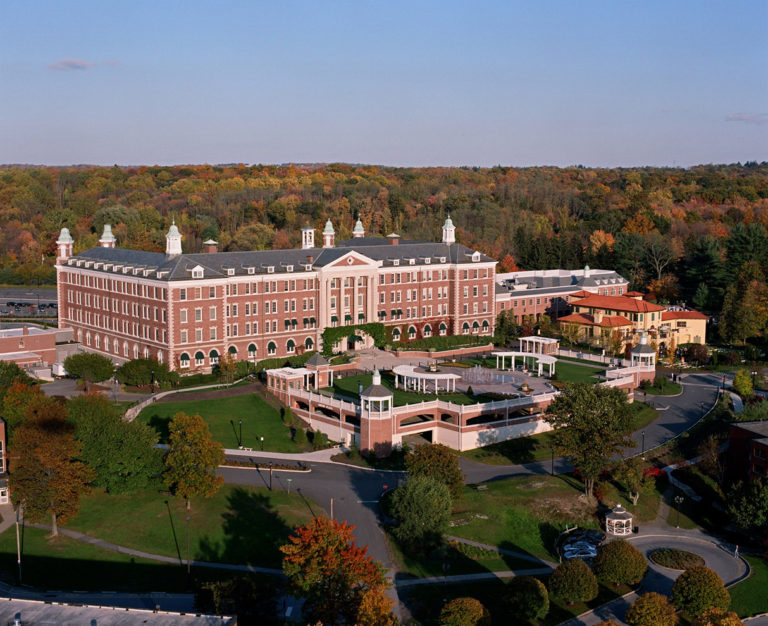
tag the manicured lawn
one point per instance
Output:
(576, 373)
(667, 389)
(237, 525)
(350, 385)
(223, 416)
(65, 563)
(748, 597)
(539, 447)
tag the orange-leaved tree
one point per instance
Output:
(325, 567)
(46, 477)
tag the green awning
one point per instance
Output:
(199, 355)
(306, 321)
(312, 320)
(334, 318)
(232, 350)
(347, 317)
(361, 316)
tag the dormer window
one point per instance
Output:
(197, 272)
(230, 271)
(475, 257)
(308, 267)
(88, 263)
(427, 261)
(442, 259)
(288, 268)
(270, 269)
(251, 270)
(411, 261)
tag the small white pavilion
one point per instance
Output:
(539, 345)
(642, 354)
(527, 357)
(618, 522)
(408, 377)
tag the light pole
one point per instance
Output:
(240, 438)
(643, 435)
(678, 502)
(262, 443)
(152, 381)
(754, 380)
(270, 475)
(290, 480)
(331, 508)
(18, 541)
(189, 561)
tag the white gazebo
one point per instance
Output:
(642, 354)
(618, 522)
(409, 377)
(541, 360)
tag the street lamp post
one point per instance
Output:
(289, 480)
(262, 443)
(678, 502)
(18, 542)
(189, 561)
(643, 435)
(270, 475)
(152, 381)
(240, 438)
(754, 379)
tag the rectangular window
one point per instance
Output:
(211, 292)
(212, 313)
(247, 309)
(198, 335)
(183, 315)
(183, 336)
(198, 314)
(212, 333)
(182, 294)
(234, 310)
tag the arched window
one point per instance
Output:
(135, 351)
(98, 341)
(199, 359)
(232, 350)
(395, 334)
(271, 348)
(411, 332)
(427, 330)
(146, 353)
(80, 336)
(213, 355)
(116, 346)
(475, 327)
(184, 360)
(159, 356)
(290, 346)
(125, 349)
(465, 328)
(486, 326)
(251, 350)
(88, 338)
(443, 329)
(308, 343)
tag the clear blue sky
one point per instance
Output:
(609, 83)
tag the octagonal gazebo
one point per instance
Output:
(618, 522)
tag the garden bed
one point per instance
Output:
(675, 559)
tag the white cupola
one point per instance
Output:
(64, 244)
(307, 238)
(173, 240)
(358, 231)
(107, 240)
(329, 235)
(449, 231)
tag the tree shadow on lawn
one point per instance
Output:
(253, 533)
(161, 425)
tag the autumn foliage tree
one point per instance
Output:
(717, 617)
(527, 598)
(326, 568)
(573, 582)
(464, 612)
(193, 458)
(651, 609)
(45, 475)
(620, 563)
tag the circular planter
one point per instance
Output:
(672, 558)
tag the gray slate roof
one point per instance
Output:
(376, 391)
(216, 265)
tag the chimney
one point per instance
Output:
(598, 316)
(310, 259)
(210, 246)
(393, 239)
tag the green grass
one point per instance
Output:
(667, 389)
(223, 415)
(237, 525)
(539, 447)
(575, 373)
(748, 597)
(676, 559)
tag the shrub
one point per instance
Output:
(319, 440)
(300, 436)
(698, 589)
(651, 609)
(675, 559)
(288, 416)
(573, 582)
(92, 368)
(619, 562)
(717, 617)
(464, 612)
(742, 384)
(732, 358)
(527, 598)
(138, 372)
(422, 507)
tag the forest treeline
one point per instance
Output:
(680, 234)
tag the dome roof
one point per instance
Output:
(359, 227)
(448, 222)
(173, 231)
(328, 230)
(107, 234)
(65, 237)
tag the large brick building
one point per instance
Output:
(186, 310)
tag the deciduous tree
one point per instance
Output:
(717, 617)
(464, 612)
(651, 609)
(422, 507)
(632, 474)
(742, 384)
(326, 568)
(92, 368)
(193, 458)
(121, 454)
(748, 506)
(620, 563)
(590, 423)
(438, 462)
(526, 597)
(698, 589)
(45, 475)
(745, 306)
(573, 582)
